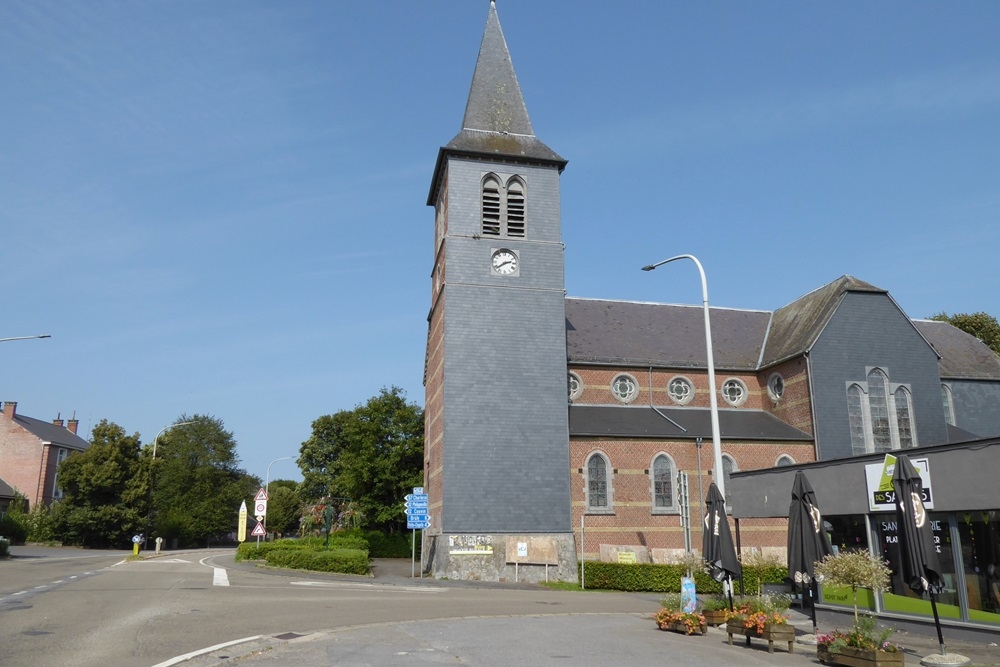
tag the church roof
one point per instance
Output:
(795, 327)
(639, 421)
(962, 354)
(653, 334)
(496, 122)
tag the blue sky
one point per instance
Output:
(218, 208)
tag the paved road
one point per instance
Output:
(92, 609)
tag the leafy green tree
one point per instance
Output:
(105, 490)
(284, 507)
(981, 325)
(372, 454)
(198, 485)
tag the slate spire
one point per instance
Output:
(496, 122)
(495, 101)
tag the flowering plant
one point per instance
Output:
(862, 636)
(757, 613)
(667, 618)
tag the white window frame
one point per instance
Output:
(743, 386)
(635, 387)
(574, 393)
(61, 455)
(868, 445)
(672, 508)
(948, 402)
(609, 493)
(690, 385)
(784, 457)
(772, 386)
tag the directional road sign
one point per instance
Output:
(416, 518)
(418, 525)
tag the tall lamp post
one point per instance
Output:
(713, 401)
(149, 517)
(4, 340)
(267, 483)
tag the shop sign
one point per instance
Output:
(878, 476)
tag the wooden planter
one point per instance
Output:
(683, 628)
(716, 617)
(856, 657)
(772, 633)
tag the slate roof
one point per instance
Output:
(496, 122)
(651, 334)
(49, 432)
(642, 421)
(795, 327)
(630, 333)
(962, 355)
(6, 490)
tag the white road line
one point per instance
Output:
(194, 654)
(381, 588)
(219, 577)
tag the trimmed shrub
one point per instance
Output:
(12, 529)
(665, 578)
(344, 561)
(4, 547)
(254, 551)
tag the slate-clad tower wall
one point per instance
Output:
(497, 445)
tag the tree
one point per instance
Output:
(284, 507)
(198, 484)
(105, 490)
(372, 455)
(981, 325)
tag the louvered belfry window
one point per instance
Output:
(491, 207)
(503, 212)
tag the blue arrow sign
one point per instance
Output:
(418, 525)
(415, 518)
(411, 504)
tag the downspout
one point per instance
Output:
(812, 405)
(656, 409)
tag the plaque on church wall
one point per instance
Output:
(470, 545)
(532, 549)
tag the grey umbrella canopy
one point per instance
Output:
(807, 541)
(920, 566)
(717, 546)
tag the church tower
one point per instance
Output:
(496, 461)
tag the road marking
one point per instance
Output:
(219, 577)
(381, 588)
(194, 654)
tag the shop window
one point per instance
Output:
(900, 597)
(979, 537)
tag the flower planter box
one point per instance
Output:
(684, 630)
(716, 617)
(856, 657)
(784, 633)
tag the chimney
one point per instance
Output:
(72, 425)
(58, 420)
(9, 409)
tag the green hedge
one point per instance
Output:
(344, 561)
(4, 547)
(667, 578)
(254, 551)
(13, 529)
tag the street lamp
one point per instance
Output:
(267, 478)
(4, 340)
(713, 402)
(165, 428)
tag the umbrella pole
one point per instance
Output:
(937, 621)
(729, 589)
(812, 605)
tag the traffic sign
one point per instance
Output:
(258, 530)
(261, 495)
(412, 518)
(418, 525)
(409, 504)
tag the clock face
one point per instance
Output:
(504, 262)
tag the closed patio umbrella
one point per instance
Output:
(717, 546)
(920, 566)
(807, 541)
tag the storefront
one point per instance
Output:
(962, 483)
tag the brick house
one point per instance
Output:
(31, 451)
(514, 463)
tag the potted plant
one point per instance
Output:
(762, 616)
(672, 617)
(864, 644)
(714, 608)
